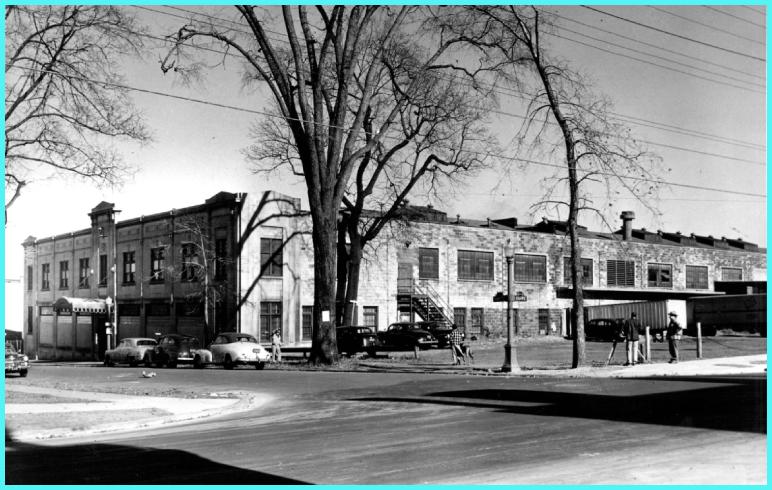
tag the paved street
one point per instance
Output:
(340, 428)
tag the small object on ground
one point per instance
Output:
(151, 374)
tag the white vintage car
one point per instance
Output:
(131, 350)
(231, 349)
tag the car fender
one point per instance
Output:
(205, 354)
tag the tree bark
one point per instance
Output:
(325, 238)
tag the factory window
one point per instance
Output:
(29, 278)
(731, 274)
(270, 319)
(129, 267)
(64, 274)
(83, 273)
(530, 268)
(620, 273)
(428, 263)
(103, 270)
(660, 275)
(308, 322)
(696, 277)
(189, 263)
(475, 266)
(45, 276)
(370, 317)
(477, 321)
(271, 257)
(157, 260)
(459, 318)
(586, 271)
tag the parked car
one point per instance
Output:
(441, 332)
(356, 339)
(15, 361)
(131, 350)
(173, 349)
(406, 335)
(230, 349)
(606, 329)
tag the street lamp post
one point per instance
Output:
(109, 326)
(510, 355)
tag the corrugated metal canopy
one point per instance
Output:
(81, 305)
(631, 294)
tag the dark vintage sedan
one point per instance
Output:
(441, 332)
(173, 349)
(15, 361)
(605, 329)
(356, 339)
(406, 335)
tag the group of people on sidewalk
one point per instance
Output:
(459, 352)
(632, 330)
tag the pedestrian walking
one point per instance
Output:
(632, 335)
(455, 339)
(673, 336)
(276, 346)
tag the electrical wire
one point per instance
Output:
(709, 26)
(762, 26)
(679, 36)
(642, 122)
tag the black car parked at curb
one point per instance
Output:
(406, 335)
(173, 349)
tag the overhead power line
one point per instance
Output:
(734, 16)
(484, 154)
(661, 48)
(632, 119)
(709, 26)
(679, 36)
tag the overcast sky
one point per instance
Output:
(687, 77)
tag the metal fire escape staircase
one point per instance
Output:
(422, 299)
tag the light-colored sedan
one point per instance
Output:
(231, 349)
(131, 350)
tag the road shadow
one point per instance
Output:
(736, 404)
(112, 464)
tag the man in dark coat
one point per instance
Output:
(673, 336)
(632, 329)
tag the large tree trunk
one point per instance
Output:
(325, 238)
(340, 293)
(577, 312)
(352, 284)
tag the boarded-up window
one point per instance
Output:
(731, 274)
(696, 277)
(476, 321)
(620, 273)
(530, 268)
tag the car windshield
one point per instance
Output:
(245, 338)
(146, 342)
(363, 330)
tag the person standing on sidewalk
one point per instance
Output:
(455, 338)
(632, 328)
(276, 346)
(673, 336)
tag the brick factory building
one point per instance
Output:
(260, 265)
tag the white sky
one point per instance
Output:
(196, 148)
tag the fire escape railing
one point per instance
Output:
(413, 288)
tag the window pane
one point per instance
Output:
(530, 268)
(428, 263)
(620, 273)
(477, 266)
(271, 257)
(731, 274)
(696, 277)
(370, 317)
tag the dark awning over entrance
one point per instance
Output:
(80, 305)
(631, 294)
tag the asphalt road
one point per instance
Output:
(371, 428)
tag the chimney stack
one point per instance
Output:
(627, 224)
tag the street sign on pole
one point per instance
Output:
(500, 297)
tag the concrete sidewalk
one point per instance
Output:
(82, 412)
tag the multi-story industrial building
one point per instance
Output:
(251, 256)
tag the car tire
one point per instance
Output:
(147, 360)
(171, 363)
(133, 362)
(23, 373)
(371, 352)
(260, 366)
(198, 363)
(109, 362)
(228, 363)
(160, 360)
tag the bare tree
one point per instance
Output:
(324, 73)
(63, 100)
(563, 115)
